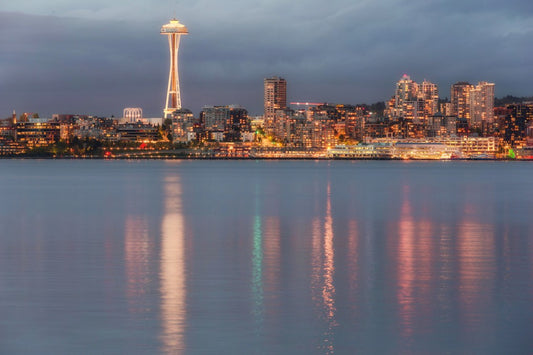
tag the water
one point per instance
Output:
(264, 257)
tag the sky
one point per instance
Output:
(99, 56)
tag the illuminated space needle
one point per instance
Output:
(174, 29)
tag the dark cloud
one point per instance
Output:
(337, 51)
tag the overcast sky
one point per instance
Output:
(99, 56)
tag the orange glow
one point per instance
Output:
(328, 291)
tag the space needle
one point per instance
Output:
(174, 29)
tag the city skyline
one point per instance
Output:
(102, 58)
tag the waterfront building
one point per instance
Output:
(280, 128)
(291, 130)
(137, 132)
(440, 125)
(514, 125)
(247, 136)
(529, 135)
(275, 97)
(440, 147)
(471, 147)
(90, 127)
(10, 148)
(482, 105)
(421, 150)
(236, 123)
(217, 136)
(355, 123)
(37, 134)
(182, 125)
(230, 119)
(214, 118)
(173, 30)
(361, 151)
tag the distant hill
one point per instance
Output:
(509, 99)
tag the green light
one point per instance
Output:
(257, 274)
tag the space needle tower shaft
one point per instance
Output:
(174, 29)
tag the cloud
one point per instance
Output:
(98, 57)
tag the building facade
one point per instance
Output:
(460, 99)
(413, 101)
(275, 97)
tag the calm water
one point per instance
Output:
(266, 257)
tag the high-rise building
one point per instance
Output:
(406, 90)
(430, 95)
(475, 103)
(174, 29)
(406, 95)
(482, 104)
(460, 98)
(415, 101)
(275, 97)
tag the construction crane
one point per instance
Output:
(307, 103)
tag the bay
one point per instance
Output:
(285, 257)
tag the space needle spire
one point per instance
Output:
(174, 29)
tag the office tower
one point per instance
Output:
(275, 97)
(174, 29)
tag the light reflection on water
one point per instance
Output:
(476, 272)
(324, 269)
(173, 277)
(353, 261)
(265, 257)
(406, 267)
(137, 253)
(257, 270)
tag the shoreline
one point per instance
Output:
(140, 157)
